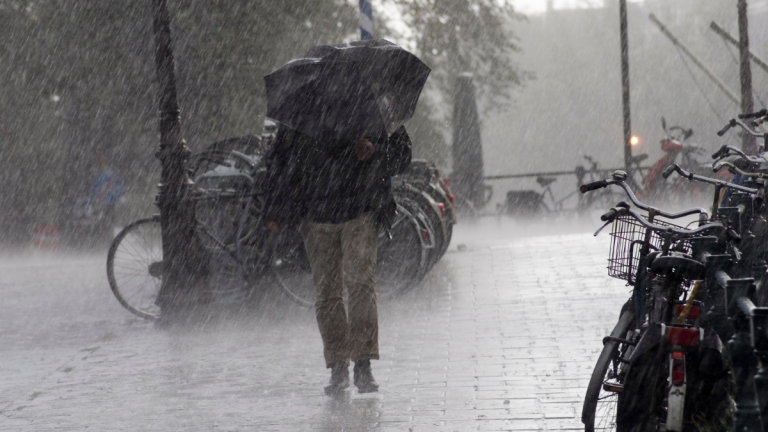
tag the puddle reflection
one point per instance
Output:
(347, 413)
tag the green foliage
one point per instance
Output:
(455, 36)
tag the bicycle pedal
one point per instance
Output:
(613, 387)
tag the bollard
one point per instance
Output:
(759, 333)
(747, 414)
(738, 294)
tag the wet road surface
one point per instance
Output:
(501, 335)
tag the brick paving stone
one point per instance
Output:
(501, 336)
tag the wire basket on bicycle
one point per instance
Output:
(627, 238)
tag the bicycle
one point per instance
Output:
(730, 314)
(227, 217)
(641, 381)
(426, 177)
(530, 203)
(656, 188)
(241, 253)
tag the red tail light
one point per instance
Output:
(424, 234)
(693, 313)
(678, 368)
(452, 198)
(682, 336)
(442, 209)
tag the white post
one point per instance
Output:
(366, 20)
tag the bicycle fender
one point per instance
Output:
(650, 340)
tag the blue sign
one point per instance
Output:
(107, 188)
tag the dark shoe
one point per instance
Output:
(364, 377)
(339, 379)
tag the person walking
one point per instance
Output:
(340, 196)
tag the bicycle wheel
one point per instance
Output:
(601, 401)
(708, 397)
(426, 230)
(228, 215)
(135, 267)
(438, 223)
(290, 267)
(401, 260)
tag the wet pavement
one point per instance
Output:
(501, 335)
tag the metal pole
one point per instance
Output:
(732, 40)
(695, 60)
(366, 20)
(625, 84)
(745, 74)
(176, 210)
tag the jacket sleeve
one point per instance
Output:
(398, 150)
(389, 160)
(283, 183)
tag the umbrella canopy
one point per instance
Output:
(340, 92)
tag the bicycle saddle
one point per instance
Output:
(678, 265)
(545, 181)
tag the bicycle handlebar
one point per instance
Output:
(593, 186)
(663, 229)
(727, 150)
(734, 122)
(667, 172)
(736, 170)
(618, 179)
(730, 124)
(610, 215)
(763, 112)
(691, 176)
(722, 152)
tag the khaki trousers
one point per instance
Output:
(345, 254)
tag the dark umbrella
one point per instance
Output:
(345, 91)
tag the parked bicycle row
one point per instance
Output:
(240, 255)
(685, 352)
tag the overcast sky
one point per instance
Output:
(540, 6)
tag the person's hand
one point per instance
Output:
(274, 226)
(363, 149)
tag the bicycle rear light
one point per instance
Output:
(677, 374)
(442, 209)
(693, 313)
(682, 336)
(424, 234)
(452, 198)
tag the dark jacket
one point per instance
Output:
(326, 183)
